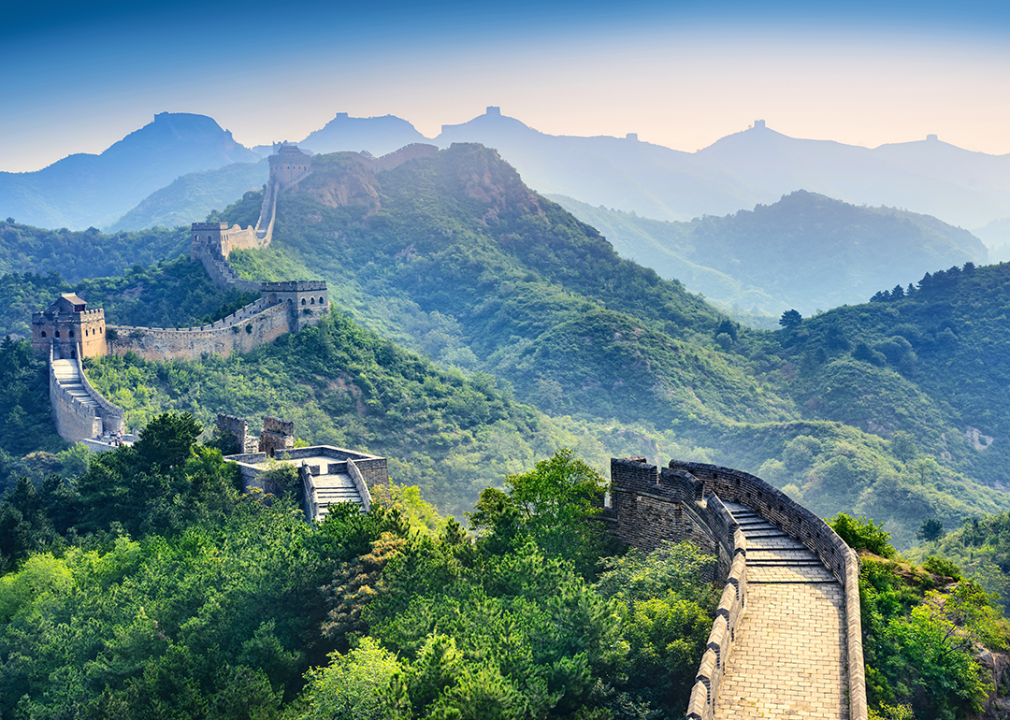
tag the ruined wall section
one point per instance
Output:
(276, 436)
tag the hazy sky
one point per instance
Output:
(77, 77)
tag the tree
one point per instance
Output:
(930, 530)
(167, 439)
(790, 319)
(552, 504)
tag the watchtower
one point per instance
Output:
(206, 239)
(289, 165)
(307, 300)
(66, 325)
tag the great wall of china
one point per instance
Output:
(67, 331)
(786, 641)
(787, 638)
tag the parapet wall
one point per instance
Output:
(73, 420)
(113, 416)
(649, 506)
(810, 530)
(240, 332)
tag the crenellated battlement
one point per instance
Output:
(716, 508)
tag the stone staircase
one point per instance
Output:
(789, 659)
(69, 379)
(333, 489)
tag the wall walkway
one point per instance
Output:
(787, 638)
(793, 602)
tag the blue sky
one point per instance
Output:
(77, 77)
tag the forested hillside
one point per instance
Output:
(805, 251)
(454, 256)
(171, 293)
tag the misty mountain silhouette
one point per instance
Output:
(84, 189)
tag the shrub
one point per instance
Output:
(863, 534)
(942, 566)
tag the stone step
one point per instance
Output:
(784, 563)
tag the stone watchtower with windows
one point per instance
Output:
(307, 300)
(69, 327)
(288, 164)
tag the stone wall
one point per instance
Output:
(113, 417)
(243, 331)
(684, 502)
(373, 470)
(810, 530)
(237, 430)
(361, 484)
(276, 436)
(73, 420)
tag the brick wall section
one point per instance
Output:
(160, 344)
(815, 534)
(73, 420)
(113, 416)
(649, 506)
(373, 470)
(235, 428)
(360, 484)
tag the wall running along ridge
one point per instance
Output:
(684, 502)
(73, 419)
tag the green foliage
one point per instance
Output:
(862, 534)
(552, 505)
(942, 566)
(920, 647)
(673, 567)
(171, 293)
(77, 255)
(352, 686)
(790, 319)
(24, 411)
(931, 530)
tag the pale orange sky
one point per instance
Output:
(682, 89)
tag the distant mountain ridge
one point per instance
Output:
(96, 190)
(756, 166)
(805, 252)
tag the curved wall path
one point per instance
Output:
(786, 642)
(789, 659)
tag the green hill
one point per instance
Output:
(806, 251)
(194, 195)
(453, 256)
